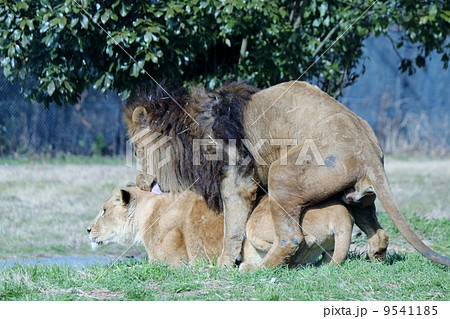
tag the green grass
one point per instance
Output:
(435, 232)
(402, 277)
(46, 205)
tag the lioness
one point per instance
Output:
(172, 228)
(327, 228)
(176, 230)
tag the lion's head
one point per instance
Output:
(116, 221)
(164, 128)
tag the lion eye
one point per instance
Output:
(103, 212)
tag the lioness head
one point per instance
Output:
(115, 223)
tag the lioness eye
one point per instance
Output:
(103, 211)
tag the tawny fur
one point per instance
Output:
(327, 229)
(350, 151)
(296, 111)
(174, 229)
(177, 230)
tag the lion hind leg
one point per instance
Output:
(288, 235)
(293, 187)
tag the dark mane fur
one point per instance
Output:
(212, 115)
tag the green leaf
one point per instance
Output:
(62, 22)
(134, 70)
(154, 29)
(22, 5)
(22, 24)
(108, 80)
(73, 22)
(123, 10)
(7, 70)
(109, 50)
(423, 20)
(84, 21)
(148, 37)
(54, 21)
(433, 12)
(44, 27)
(30, 24)
(170, 13)
(51, 88)
(99, 82)
(11, 51)
(228, 42)
(105, 17)
(323, 9)
(68, 86)
(125, 94)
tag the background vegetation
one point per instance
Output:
(57, 49)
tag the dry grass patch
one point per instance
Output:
(46, 208)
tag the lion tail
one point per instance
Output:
(380, 184)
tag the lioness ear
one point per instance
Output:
(116, 193)
(126, 196)
(122, 196)
(140, 116)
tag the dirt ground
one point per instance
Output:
(45, 209)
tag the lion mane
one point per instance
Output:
(185, 117)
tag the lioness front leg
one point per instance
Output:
(238, 195)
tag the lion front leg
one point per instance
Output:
(238, 195)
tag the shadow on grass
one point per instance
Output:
(391, 258)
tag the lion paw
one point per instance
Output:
(247, 267)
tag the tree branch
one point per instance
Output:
(327, 38)
(243, 50)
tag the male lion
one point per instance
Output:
(257, 128)
(176, 230)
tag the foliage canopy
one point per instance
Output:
(57, 49)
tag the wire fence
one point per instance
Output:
(410, 115)
(94, 126)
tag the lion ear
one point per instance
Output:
(116, 194)
(140, 116)
(121, 196)
(126, 197)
